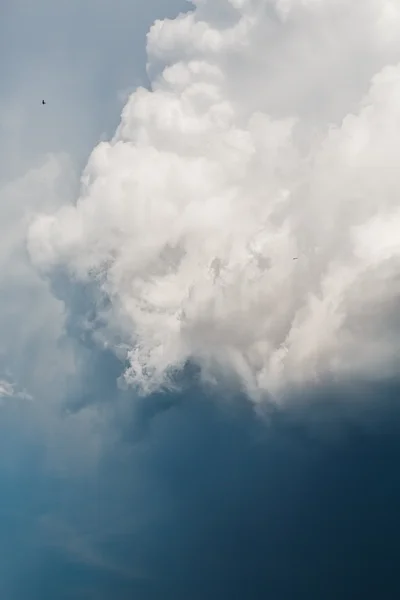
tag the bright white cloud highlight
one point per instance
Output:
(271, 132)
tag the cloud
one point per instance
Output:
(204, 498)
(72, 59)
(8, 390)
(269, 134)
(32, 348)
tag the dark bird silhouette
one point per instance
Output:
(43, 102)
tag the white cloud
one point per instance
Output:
(31, 318)
(80, 71)
(8, 390)
(271, 134)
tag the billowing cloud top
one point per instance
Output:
(271, 133)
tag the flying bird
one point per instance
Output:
(43, 102)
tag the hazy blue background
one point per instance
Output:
(176, 497)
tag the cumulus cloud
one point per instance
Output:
(270, 133)
(79, 70)
(32, 320)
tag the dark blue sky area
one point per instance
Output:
(198, 498)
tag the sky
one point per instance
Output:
(198, 299)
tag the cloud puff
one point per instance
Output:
(269, 134)
(9, 390)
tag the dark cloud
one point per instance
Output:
(198, 498)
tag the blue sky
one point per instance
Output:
(201, 491)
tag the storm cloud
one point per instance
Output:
(187, 411)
